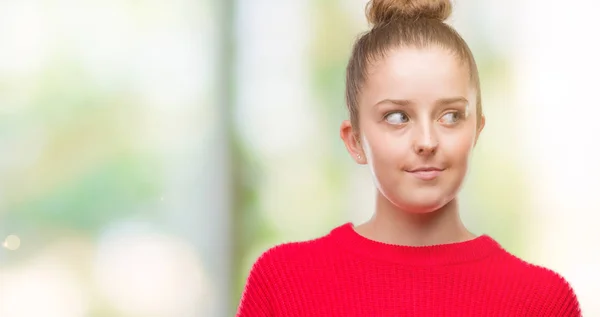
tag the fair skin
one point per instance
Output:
(417, 129)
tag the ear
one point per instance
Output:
(352, 142)
(480, 128)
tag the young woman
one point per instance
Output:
(414, 99)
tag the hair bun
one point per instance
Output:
(383, 11)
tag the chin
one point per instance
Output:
(418, 200)
(421, 205)
(420, 208)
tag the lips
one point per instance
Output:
(426, 173)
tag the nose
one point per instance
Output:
(425, 142)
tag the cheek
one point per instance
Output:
(457, 148)
(386, 149)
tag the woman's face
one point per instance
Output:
(417, 127)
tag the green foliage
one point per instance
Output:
(88, 169)
(93, 199)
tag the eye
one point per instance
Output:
(396, 118)
(451, 118)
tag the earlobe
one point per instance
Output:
(351, 141)
(480, 128)
(481, 124)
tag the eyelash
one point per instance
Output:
(460, 115)
(385, 117)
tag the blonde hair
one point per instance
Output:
(405, 23)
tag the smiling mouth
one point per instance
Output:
(427, 173)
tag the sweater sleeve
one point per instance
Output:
(257, 298)
(562, 300)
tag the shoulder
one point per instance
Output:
(534, 272)
(552, 292)
(281, 269)
(295, 259)
(268, 274)
(277, 263)
(284, 254)
(317, 247)
(556, 293)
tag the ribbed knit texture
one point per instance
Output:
(346, 274)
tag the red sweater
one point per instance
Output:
(344, 274)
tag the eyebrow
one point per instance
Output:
(405, 102)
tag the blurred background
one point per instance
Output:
(151, 150)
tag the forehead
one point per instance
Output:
(416, 73)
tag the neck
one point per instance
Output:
(393, 226)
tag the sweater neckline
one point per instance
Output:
(440, 254)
